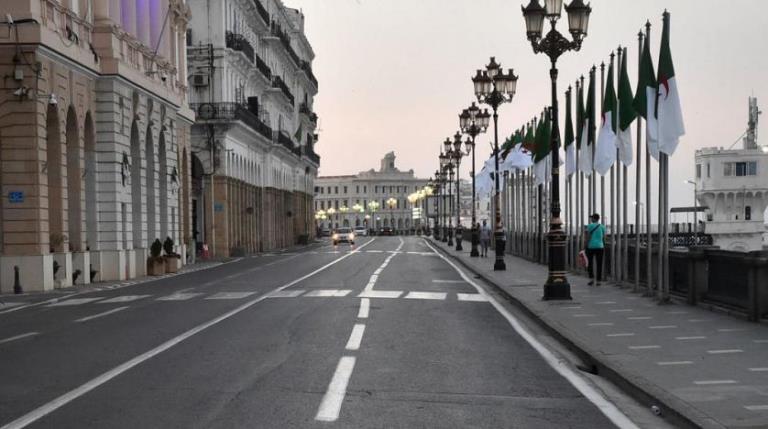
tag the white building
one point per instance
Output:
(388, 188)
(252, 88)
(733, 185)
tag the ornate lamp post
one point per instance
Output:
(438, 185)
(444, 162)
(473, 122)
(553, 45)
(373, 206)
(494, 88)
(457, 155)
(448, 171)
(391, 203)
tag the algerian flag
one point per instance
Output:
(588, 115)
(570, 141)
(645, 98)
(669, 114)
(519, 158)
(627, 114)
(541, 157)
(605, 151)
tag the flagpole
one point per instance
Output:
(579, 176)
(592, 140)
(568, 191)
(615, 186)
(638, 174)
(648, 233)
(625, 213)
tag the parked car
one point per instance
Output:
(386, 230)
(360, 231)
(325, 233)
(343, 235)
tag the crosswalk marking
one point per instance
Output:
(447, 281)
(328, 293)
(121, 299)
(426, 295)
(286, 293)
(472, 297)
(380, 294)
(231, 295)
(179, 297)
(73, 301)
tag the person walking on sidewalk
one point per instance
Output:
(594, 236)
(485, 239)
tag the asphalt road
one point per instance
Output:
(390, 335)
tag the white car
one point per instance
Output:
(360, 231)
(343, 234)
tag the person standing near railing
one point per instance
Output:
(594, 236)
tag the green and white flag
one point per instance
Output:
(627, 114)
(541, 157)
(605, 151)
(669, 114)
(645, 98)
(570, 140)
(585, 146)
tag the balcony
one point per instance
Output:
(228, 111)
(311, 155)
(307, 68)
(262, 11)
(304, 109)
(286, 141)
(237, 42)
(285, 41)
(278, 83)
(263, 68)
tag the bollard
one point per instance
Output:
(16, 282)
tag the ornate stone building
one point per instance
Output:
(94, 137)
(388, 188)
(252, 89)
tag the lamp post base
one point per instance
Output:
(474, 253)
(459, 238)
(450, 236)
(499, 264)
(557, 286)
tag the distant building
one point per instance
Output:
(388, 187)
(253, 89)
(733, 186)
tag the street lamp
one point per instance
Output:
(553, 45)
(494, 88)
(473, 122)
(448, 166)
(695, 206)
(437, 186)
(457, 155)
(373, 206)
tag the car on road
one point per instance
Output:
(386, 230)
(360, 231)
(343, 235)
(325, 233)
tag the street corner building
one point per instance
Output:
(94, 138)
(253, 158)
(374, 199)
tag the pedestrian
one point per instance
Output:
(594, 236)
(485, 238)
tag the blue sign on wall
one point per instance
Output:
(16, 197)
(218, 207)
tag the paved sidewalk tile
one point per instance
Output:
(711, 367)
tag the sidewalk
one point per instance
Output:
(708, 368)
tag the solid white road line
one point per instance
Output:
(380, 294)
(756, 407)
(448, 281)
(365, 308)
(698, 337)
(231, 295)
(730, 330)
(356, 337)
(712, 382)
(121, 299)
(106, 313)
(337, 389)
(723, 352)
(426, 295)
(471, 297)
(663, 327)
(640, 318)
(644, 347)
(287, 293)
(622, 334)
(676, 362)
(758, 369)
(324, 293)
(577, 380)
(18, 337)
(73, 394)
(74, 301)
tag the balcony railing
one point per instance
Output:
(310, 153)
(307, 67)
(263, 68)
(239, 43)
(278, 83)
(262, 11)
(285, 40)
(229, 111)
(304, 109)
(285, 140)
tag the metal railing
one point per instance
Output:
(285, 40)
(230, 111)
(277, 82)
(307, 67)
(262, 11)
(239, 43)
(263, 68)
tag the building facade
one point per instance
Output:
(373, 198)
(94, 138)
(253, 163)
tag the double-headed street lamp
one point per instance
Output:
(553, 45)
(456, 154)
(437, 184)
(494, 88)
(473, 122)
(448, 162)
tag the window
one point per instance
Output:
(728, 169)
(357, 189)
(740, 169)
(365, 189)
(322, 205)
(390, 189)
(398, 189)
(698, 171)
(365, 204)
(376, 190)
(747, 213)
(752, 168)
(709, 172)
(336, 190)
(317, 189)
(345, 190)
(329, 189)
(336, 204)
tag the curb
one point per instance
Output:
(673, 409)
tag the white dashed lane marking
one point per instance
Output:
(121, 299)
(18, 337)
(426, 295)
(324, 293)
(73, 301)
(179, 297)
(471, 297)
(286, 293)
(231, 295)
(380, 294)
(713, 382)
(96, 316)
(677, 362)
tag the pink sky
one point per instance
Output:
(394, 74)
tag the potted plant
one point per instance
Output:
(155, 263)
(172, 259)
